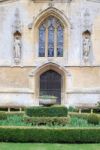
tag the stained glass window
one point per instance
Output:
(51, 41)
(42, 41)
(60, 41)
(51, 38)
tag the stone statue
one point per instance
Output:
(17, 37)
(86, 47)
(17, 48)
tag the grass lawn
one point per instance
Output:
(13, 146)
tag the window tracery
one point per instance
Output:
(51, 38)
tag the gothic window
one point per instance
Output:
(51, 38)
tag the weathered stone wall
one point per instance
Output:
(18, 82)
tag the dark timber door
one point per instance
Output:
(50, 84)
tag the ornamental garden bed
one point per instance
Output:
(49, 135)
(49, 125)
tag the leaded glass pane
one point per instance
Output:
(42, 41)
(60, 41)
(51, 41)
(53, 27)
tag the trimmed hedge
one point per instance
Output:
(82, 115)
(3, 116)
(96, 110)
(50, 121)
(55, 111)
(49, 135)
(15, 113)
(93, 119)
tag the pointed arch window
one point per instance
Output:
(51, 38)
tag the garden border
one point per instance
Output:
(49, 135)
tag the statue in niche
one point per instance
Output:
(17, 47)
(86, 45)
(17, 36)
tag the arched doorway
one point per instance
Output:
(50, 84)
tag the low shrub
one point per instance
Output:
(14, 120)
(96, 110)
(3, 116)
(15, 113)
(3, 109)
(48, 135)
(86, 110)
(93, 119)
(55, 111)
(49, 121)
(82, 115)
(72, 109)
(78, 122)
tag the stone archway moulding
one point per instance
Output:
(34, 79)
(51, 11)
(47, 65)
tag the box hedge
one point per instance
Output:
(3, 116)
(82, 115)
(93, 119)
(55, 111)
(78, 115)
(49, 121)
(49, 135)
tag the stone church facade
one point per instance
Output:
(49, 47)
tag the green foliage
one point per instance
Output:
(49, 135)
(15, 114)
(72, 109)
(96, 110)
(55, 111)
(78, 122)
(47, 97)
(47, 121)
(3, 116)
(93, 119)
(86, 110)
(82, 115)
(13, 120)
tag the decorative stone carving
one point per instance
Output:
(86, 38)
(86, 45)
(17, 36)
(17, 47)
(30, 25)
(51, 4)
(87, 25)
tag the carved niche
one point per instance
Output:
(86, 38)
(17, 38)
(86, 45)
